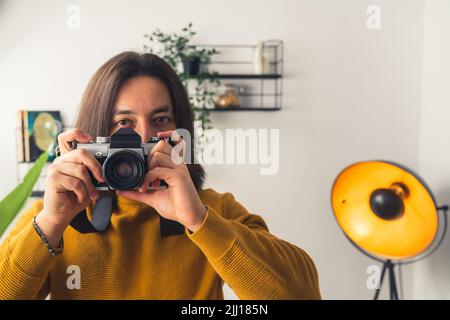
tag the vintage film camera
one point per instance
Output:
(123, 158)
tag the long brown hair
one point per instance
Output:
(96, 108)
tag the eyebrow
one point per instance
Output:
(128, 111)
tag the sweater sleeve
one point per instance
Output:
(24, 260)
(252, 261)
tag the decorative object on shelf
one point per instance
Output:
(10, 205)
(37, 133)
(389, 214)
(261, 64)
(230, 98)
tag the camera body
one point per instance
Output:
(123, 158)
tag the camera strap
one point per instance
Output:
(101, 216)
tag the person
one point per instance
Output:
(221, 241)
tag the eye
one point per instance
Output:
(162, 120)
(123, 123)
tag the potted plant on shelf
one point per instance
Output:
(191, 63)
(177, 49)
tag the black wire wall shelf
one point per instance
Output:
(234, 65)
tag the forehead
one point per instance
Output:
(143, 94)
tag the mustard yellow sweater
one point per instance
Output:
(131, 260)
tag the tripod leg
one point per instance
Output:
(392, 282)
(377, 291)
(391, 289)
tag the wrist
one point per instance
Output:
(52, 230)
(199, 222)
(54, 251)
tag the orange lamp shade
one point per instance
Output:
(385, 209)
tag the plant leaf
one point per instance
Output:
(13, 202)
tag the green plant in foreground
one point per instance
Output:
(11, 205)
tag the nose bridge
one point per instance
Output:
(144, 130)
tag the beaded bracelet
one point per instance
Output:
(53, 252)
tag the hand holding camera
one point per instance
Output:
(180, 200)
(68, 188)
(120, 163)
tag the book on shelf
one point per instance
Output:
(37, 132)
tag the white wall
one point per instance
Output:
(432, 276)
(350, 94)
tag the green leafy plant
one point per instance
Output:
(11, 205)
(177, 49)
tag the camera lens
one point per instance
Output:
(124, 170)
